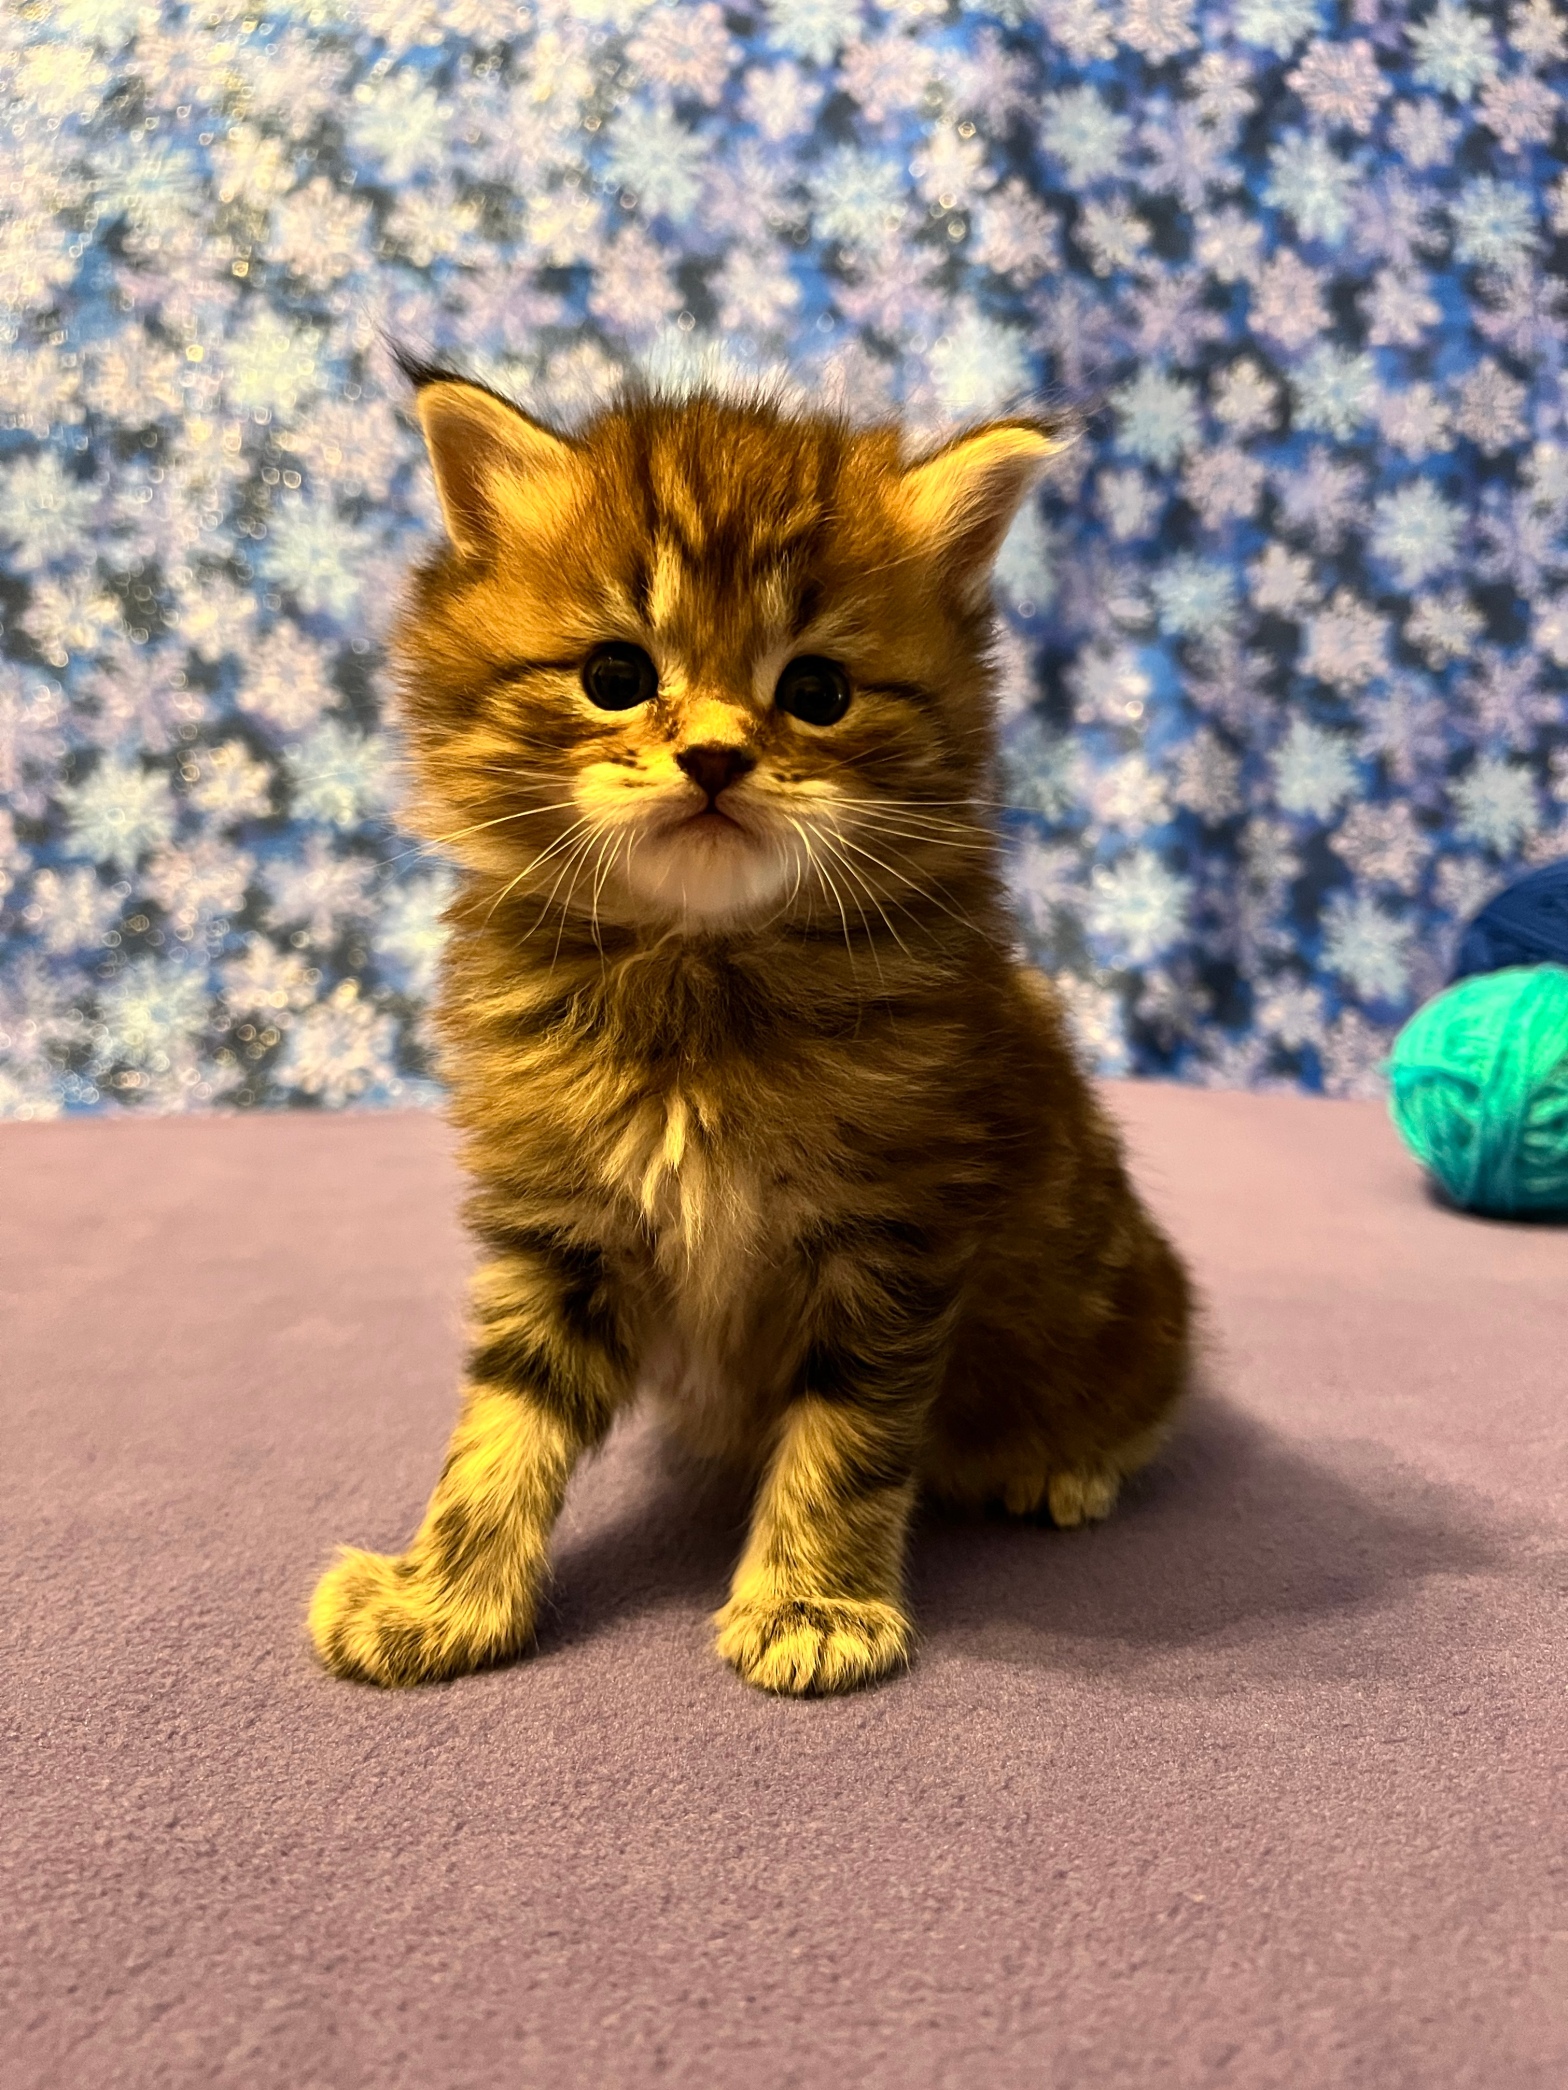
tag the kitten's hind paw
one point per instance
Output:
(1082, 1498)
(812, 1645)
(384, 1620)
(1072, 1498)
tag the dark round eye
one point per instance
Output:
(617, 676)
(813, 690)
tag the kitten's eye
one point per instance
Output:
(813, 690)
(617, 676)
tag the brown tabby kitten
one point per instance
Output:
(762, 1114)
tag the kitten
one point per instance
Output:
(762, 1115)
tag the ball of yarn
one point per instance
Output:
(1526, 925)
(1480, 1089)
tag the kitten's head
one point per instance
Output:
(704, 664)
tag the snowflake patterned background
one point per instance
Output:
(1284, 645)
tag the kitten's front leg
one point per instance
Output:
(817, 1601)
(551, 1366)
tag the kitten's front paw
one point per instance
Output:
(813, 1645)
(385, 1620)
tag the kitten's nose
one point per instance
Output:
(713, 768)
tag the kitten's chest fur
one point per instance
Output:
(699, 1196)
(704, 1128)
(719, 1221)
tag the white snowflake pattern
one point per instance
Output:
(319, 891)
(1423, 133)
(1282, 582)
(1384, 844)
(685, 50)
(1494, 222)
(888, 76)
(1195, 596)
(1159, 417)
(119, 812)
(1112, 235)
(410, 934)
(340, 1049)
(44, 510)
(1245, 399)
(341, 777)
(1314, 770)
(1454, 49)
(1157, 29)
(1415, 422)
(977, 367)
(1086, 135)
(1287, 301)
(1496, 803)
(1490, 407)
(1347, 643)
(200, 885)
(1085, 29)
(1276, 25)
(781, 100)
(1416, 531)
(857, 199)
(71, 910)
(657, 160)
(287, 681)
(1367, 946)
(1520, 111)
(1341, 83)
(1208, 778)
(1444, 627)
(1138, 906)
(813, 29)
(1308, 179)
(1302, 585)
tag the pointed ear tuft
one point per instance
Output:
(961, 502)
(490, 460)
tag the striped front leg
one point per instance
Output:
(551, 1364)
(817, 1600)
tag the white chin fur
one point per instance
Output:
(707, 877)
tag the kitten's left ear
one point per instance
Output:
(491, 462)
(961, 502)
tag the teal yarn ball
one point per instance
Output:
(1480, 1089)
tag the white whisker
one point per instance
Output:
(857, 881)
(913, 883)
(543, 857)
(580, 857)
(827, 877)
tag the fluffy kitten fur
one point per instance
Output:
(762, 1115)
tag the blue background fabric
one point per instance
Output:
(1284, 648)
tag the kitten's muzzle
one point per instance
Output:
(714, 769)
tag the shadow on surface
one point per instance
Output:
(646, 1528)
(1236, 1538)
(1437, 1196)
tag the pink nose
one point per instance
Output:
(713, 769)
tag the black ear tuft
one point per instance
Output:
(419, 371)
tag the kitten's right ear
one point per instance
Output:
(960, 502)
(492, 464)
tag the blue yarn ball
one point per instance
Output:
(1526, 925)
(1479, 1089)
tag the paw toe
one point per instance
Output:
(1023, 1494)
(798, 1646)
(378, 1620)
(1081, 1498)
